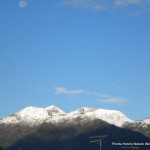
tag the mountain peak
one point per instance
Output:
(111, 116)
(53, 111)
(52, 107)
(83, 110)
(147, 120)
(36, 115)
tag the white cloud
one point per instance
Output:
(22, 3)
(95, 5)
(140, 6)
(104, 98)
(62, 90)
(124, 3)
(117, 100)
(108, 5)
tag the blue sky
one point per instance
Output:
(75, 53)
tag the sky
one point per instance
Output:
(75, 53)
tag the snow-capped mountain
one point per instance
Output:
(147, 120)
(53, 120)
(35, 116)
(111, 116)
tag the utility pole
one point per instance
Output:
(98, 140)
(132, 147)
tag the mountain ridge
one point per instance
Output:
(52, 113)
(74, 137)
(28, 120)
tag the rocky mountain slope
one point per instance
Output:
(51, 123)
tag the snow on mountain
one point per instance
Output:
(31, 119)
(81, 111)
(36, 115)
(147, 120)
(72, 116)
(54, 111)
(33, 115)
(111, 116)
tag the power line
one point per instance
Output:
(98, 139)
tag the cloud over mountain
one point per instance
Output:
(117, 100)
(62, 90)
